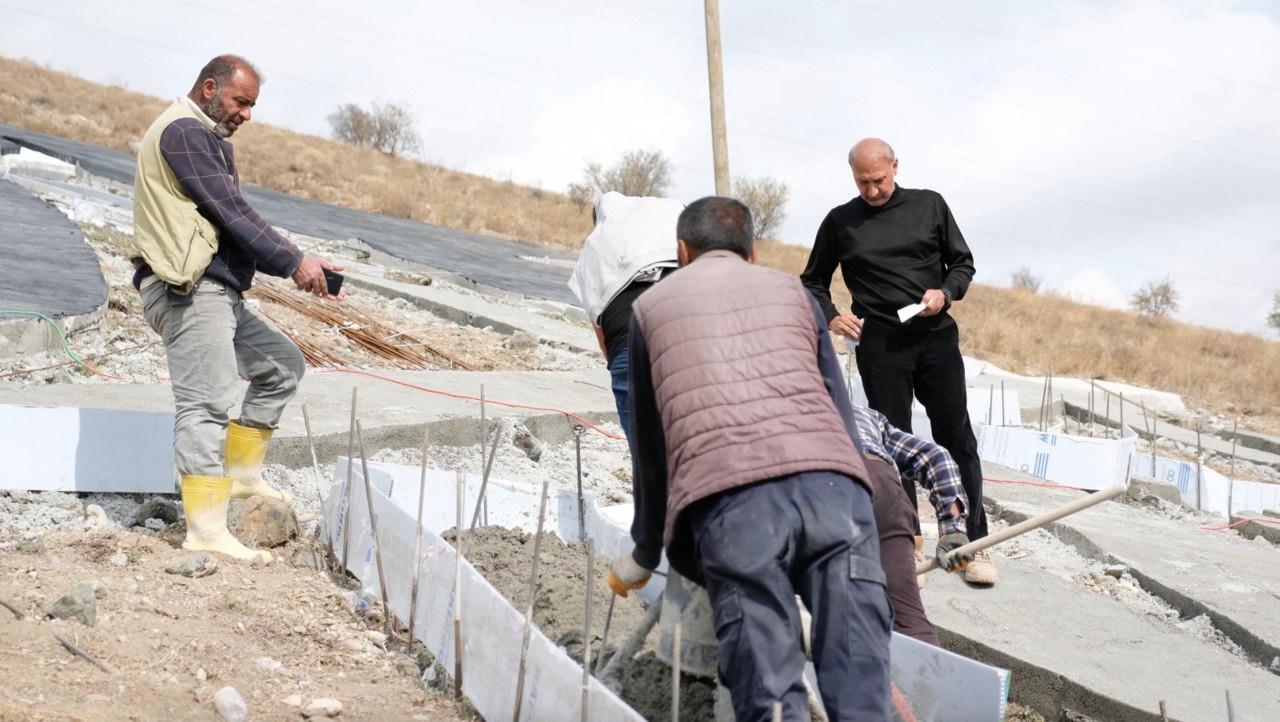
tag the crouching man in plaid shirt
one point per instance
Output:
(196, 247)
(891, 454)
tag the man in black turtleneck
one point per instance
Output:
(897, 247)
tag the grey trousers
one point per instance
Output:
(211, 343)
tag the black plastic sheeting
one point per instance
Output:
(45, 263)
(485, 260)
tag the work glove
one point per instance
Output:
(626, 575)
(948, 543)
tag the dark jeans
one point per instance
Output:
(897, 364)
(758, 546)
(618, 367)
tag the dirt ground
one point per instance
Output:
(505, 556)
(172, 641)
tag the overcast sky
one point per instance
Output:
(1099, 144)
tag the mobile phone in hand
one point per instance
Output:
(334, 281)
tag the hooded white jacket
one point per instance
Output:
(631, 235)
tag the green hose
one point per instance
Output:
(66, 345)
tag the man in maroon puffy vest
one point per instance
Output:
(744, 471)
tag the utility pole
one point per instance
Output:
(715, 80)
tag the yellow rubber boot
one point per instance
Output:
(205, 499)
(246, 448)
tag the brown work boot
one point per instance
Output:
(920, 559)
(981, 570)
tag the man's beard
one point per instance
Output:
(213, 109)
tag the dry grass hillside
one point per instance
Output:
(39, 99)
(1226, 372)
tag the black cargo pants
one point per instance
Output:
(811, 534)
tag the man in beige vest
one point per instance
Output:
(197, 245)
(745, 472)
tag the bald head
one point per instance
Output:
(874, 169)
(226, 90)
(870, 150)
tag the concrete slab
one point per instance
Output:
(45, 264)
(461, 306)
(1235, 582)
(503, 264)
(1087, 654)
(392, 414)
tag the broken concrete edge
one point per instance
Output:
(379, 257)
(451, 313)
(1253, 524)
(32, 335)
(1246, 439)
(1251, 440)
(1258, 650)
(1047, 692)
(294, 452)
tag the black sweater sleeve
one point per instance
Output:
(957, 259)
(648, 456)
(823, 261)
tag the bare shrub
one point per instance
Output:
(637, 173)
(386, 127)
(1026, 280)
(767, 199)
(1273, 318)
(1156, 299)
(581, 195)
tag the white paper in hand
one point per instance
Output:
(909, 312)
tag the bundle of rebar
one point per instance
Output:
(362, 330)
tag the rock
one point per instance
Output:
(119, 559)
(96, 517)
(312, 559)
(293, 700)
(230, 705)
(154, 524)
(322, 707)
(201, 675)
(262, 522)
(376, 637)
(406, 666)
(198, 564)
(355, 644)
(520, 341)
(32, 546)
(1115, 570)
(527, 442)
(163, 509)
(269, 665)
(80, 604)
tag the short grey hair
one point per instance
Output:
(221, 68)
(717, 223)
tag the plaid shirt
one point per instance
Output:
(926, 462)
(205, 168)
